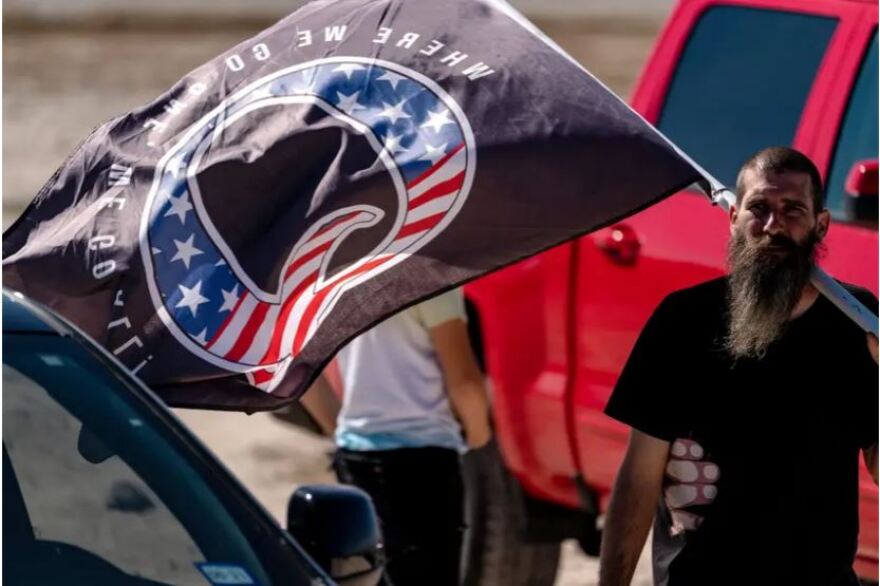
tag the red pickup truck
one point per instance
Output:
(726, 78)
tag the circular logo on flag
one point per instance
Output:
(416, 133)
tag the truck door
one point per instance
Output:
(724, 82)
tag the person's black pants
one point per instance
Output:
(419, 498)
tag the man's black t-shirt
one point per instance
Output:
(785, 432)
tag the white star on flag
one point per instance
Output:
(349, 104)
(434, 154)
(230, 298)
(186, 250)
(179, 207)
(391, 78)
(348, 69)
(192, 298)
(202, 338)
(392, 143)
(393, 113)
(437, 120)
(220, 263)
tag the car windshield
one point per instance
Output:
(99, 489)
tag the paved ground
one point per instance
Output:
(58, 84)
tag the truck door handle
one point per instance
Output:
(620, 243)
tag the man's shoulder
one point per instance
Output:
(706, 296)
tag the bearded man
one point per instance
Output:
(776, 385)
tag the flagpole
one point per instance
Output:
(827, 286)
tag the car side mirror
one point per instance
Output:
(861, 189)
(338, 527)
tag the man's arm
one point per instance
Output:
(322, 404)
(634, 501)
(464, 381)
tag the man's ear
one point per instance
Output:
(823, 220)
(732, 215)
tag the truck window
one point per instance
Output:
(858, 133)
(741, 84)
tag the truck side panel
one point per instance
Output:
(523, 312)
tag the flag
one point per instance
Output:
(225, 240)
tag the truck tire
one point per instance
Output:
(495, 551)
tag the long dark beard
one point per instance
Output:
(763, 289)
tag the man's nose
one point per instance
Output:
(774, 224)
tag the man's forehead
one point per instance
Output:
(761, 182)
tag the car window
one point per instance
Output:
(858, 133)
(104, 508)
(741, 84)
(100, 491)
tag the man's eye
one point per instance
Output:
(758, 208)
(794, 211)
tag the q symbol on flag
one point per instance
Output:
(417, 135)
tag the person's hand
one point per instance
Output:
(872, 346)
(478, 435)
(688, 481)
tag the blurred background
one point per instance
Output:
(69, 65)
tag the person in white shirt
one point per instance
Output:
(414, 400)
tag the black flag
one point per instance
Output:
(359, 156)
